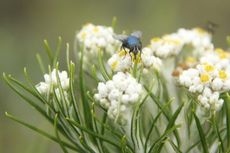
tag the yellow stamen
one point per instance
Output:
(204, 78)
(96, 29)
(155, 39)
(223, 75)
(114, 65)
(208, 68)
(222, 54)
(122, 53)
(173, 41)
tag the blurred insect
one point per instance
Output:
(131, 42)
(211, 27)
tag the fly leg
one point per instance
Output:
(123, 48)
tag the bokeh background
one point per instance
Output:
(25, 23)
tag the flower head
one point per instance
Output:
(123, 61)
(118, 96)
(167, 46)
(51, 80)
(208, 79)
(94, 37)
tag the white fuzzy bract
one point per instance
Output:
(95, 37)
(51, 80)
(118, 96)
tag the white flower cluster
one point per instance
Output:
(166, 47)
(94, 37)
(172, 44)
(122, 61)
(197, 37)
(149, 60)
(209, 78)
(51, 81)
(118, 96)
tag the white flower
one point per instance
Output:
(43, 88)
(51, 80)
(149, 60)
(166, 46)
(119, 95)
(197, 37)
(210, 100)
(120, 61)
(93, 37)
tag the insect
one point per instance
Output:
(211, 27)
(131, 42)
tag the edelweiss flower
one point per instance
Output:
(51, 80)
(197, 37)
(118, 96)
(95, 37)
(209, 79)
(122, 61)
(167, 46)
(218, 57)
(149, 60)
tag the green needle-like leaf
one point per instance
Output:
(57, 135)
(201, 134)
(44, 133)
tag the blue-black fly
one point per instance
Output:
(131, 42)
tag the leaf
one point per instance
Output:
(44, 133)
(201, 134)
(48, 51)
(41, 63)
(84, 100)
(227, 106)
(215, 124)
(57, 53)
(57, 135)
(166, 113)
(90, 132)
(150, 130)
(172, 122)
(162, 137)
(176, 149)
(103, 71)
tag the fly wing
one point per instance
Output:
(122, 38)
(137, 34)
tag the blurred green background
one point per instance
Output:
(25, 23)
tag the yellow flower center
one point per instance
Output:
(208, 68)
(204, 78)
(122, 53)
(223, 75)
(173, 41)
(96, 29)
(155, 39)
(114, 65)
(222, 54)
